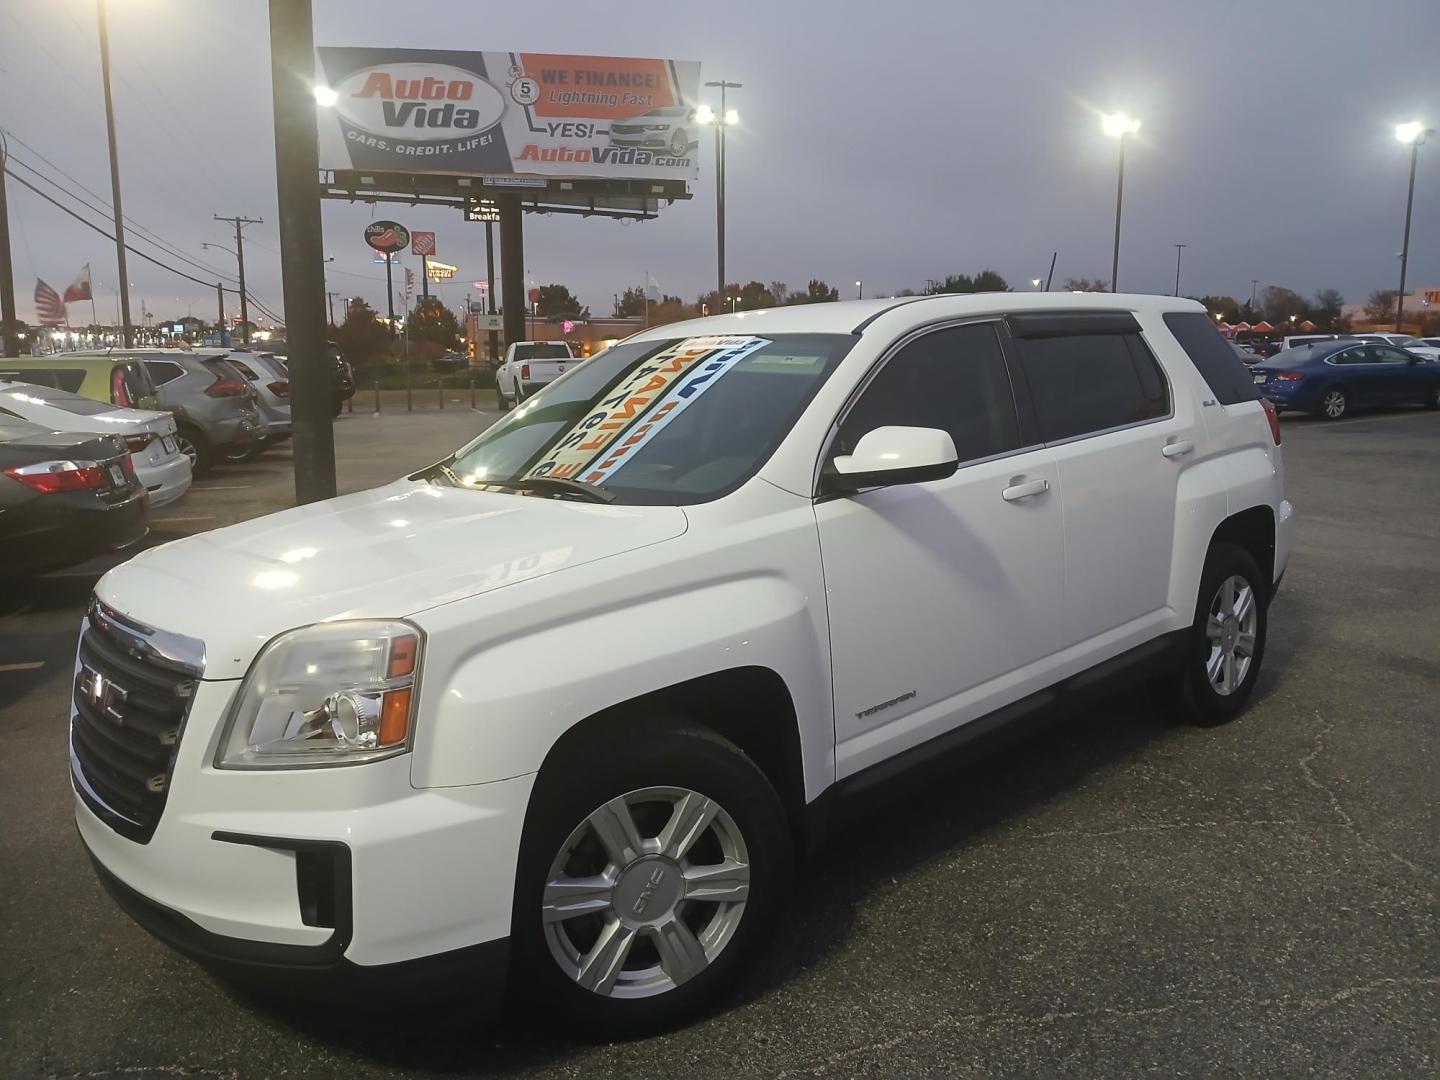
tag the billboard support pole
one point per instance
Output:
(389, 295)
(490, 287)
(424, 278)
(512, 266)
(302, 257)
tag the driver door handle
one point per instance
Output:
(1024, 489)
(1177, 448)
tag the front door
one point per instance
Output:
(942, 596)
(1400, 379)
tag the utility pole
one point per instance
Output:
(127, 332)
(240, 223)
(302, 253)
(220, 300)
(9, 343)
(1178, 249)
(1254, 284)
(330, 302)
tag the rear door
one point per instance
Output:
(1120, 438)
(942, 597)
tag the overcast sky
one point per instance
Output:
(887, 142)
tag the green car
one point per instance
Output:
(115, 377)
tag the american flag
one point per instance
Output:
(49, 308)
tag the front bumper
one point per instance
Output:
(232, 864)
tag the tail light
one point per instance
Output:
(127, 463)
(53, 477)
(137, 443)
(1288, 376)
(1272, 416)
(119, 392)
(280, 388)
(525, 371)
(227, 387)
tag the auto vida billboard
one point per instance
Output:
(497, 113)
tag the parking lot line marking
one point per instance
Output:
(173, 520)
(222, 487)
(29, 665)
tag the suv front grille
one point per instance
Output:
(128, 713)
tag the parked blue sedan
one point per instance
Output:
(1330, 378)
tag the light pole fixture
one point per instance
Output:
(1035, 282)
(726, 117)
(1414, 133)
(860, 290)
(127, 332)
(1118, 125)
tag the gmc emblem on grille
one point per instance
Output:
(103, 695)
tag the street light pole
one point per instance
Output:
(1178, 249)
(1415, 134)
(860, 285)
(127, 332)
(1118, 125)
(723, 120)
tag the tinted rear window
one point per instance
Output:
(541, 352)
(62, 378)
(1223, 371)
(1084, 383)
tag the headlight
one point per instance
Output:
(330, 694)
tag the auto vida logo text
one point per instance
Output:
(603, 155)
(419, 101)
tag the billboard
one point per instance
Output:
(509, 114)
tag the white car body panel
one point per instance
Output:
(940, 602)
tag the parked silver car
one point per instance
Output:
(216, 418)
(271, 383)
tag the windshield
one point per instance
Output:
(541, 352)
(656, 422)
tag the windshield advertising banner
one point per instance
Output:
(508, 114)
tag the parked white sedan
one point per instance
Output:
(150, 435)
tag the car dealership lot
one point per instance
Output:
(1124, 896)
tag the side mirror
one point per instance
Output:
(893, 455)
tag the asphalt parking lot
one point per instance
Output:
(1126, 896)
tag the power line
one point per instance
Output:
(164, 246)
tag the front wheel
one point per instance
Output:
(651, 871)
(195, 447)
(1227, 640)
(1334, 404)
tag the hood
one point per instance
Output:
(385, 553)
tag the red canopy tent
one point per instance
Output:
(1263, 327)
(1241, 327)
(1306, 326)
(1222, 326)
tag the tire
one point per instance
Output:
(679, 143)
(500, 400)
(1432, 396)
(197, 448)
(1209, 693)
(337, 408)
(519, 393)
(661, 979)
(1334, 404)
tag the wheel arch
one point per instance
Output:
(750, 706)
(1253, 530)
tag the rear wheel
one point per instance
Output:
(519, 392)
(1334, 403)
(500, 399)
(1227, 640)
(1432, 396)
(195, 447)
(649, 875)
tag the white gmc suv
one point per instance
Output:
(565, 707)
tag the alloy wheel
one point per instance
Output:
(646, 892)
(1230, 630)
(186, 447)
(1334, 404)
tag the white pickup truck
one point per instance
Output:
(528, 366)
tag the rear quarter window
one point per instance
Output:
(1223, 371)
(69, 379)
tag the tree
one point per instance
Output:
(780, 291)
(1328, 308)
(1227, 307)
(432, 321)
(1381, 305)
(817, 292)
(362, 337)
(1080, 284)
(990, 281)
(631, 303)
(752, 295)
(558, 302)
(1278, 303)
